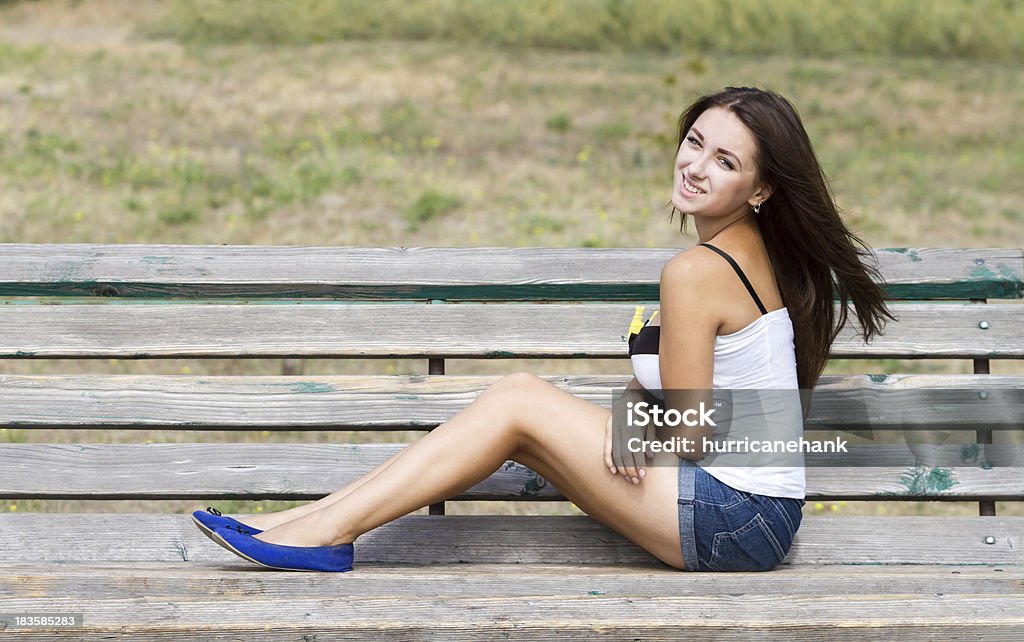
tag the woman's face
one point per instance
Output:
(714, 170)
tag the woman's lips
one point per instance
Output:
(687, 193)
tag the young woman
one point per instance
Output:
(753, 309)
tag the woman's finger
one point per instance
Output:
(625, 459)
(650, 435)
(638, 463)
(634, 461)
(617, 459)
(608, 446)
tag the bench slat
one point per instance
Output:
(178, 581)
(715, 617)
(453, 273)
(404, 402)
(508, 539)
(469, 330)
(310, 471)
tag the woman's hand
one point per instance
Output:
(618, 456)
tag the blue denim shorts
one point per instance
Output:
(725, 529)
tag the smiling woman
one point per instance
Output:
(757, 169)
(745, 171)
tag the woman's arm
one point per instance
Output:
(689, 323)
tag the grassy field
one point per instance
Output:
(123, 126)
(979, 30)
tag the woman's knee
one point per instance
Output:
(521, 378)
(517, 383)
(514, 393)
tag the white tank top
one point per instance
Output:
(761, 356)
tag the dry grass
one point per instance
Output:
(979, 30)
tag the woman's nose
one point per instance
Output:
(696, 167)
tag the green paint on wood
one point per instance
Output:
(534, 486)
(310, 387)
(1003, 278)
(1007, 273)
(407, 397)
(24, 353)
(878, 378)
(982, 273)
(966, 289)
(908, 251)
(969, 452)
(921, 480)
(986, 285)
(1010, 276)
(499, 354)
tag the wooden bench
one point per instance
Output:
(448, 577)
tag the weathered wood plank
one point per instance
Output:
(420, 539)
(404, 402)
(717, 617)
(468, 330)
(453, 273)
(310, 471)
(181, 581)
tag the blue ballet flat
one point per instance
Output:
(335, 559)
(211, 518)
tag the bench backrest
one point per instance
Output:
(163, 301)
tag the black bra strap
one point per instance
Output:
(743, 277)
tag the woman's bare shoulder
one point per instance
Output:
(695, 267)
(690, 284)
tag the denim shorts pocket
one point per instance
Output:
(725, 497)
(751, 547)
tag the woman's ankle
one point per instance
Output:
(264, 522)
(269, 520)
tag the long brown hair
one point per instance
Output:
(815, 257)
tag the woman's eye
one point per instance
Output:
(725, 161)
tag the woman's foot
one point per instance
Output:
(256, 523)
(266, 521)
(287, 558)
(262, 522)
(308, 530)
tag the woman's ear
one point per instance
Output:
(760, 196)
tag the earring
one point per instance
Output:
(757, 208)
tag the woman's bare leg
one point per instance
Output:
(264, 521)
(523, 418)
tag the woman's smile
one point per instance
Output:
(688, 189)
